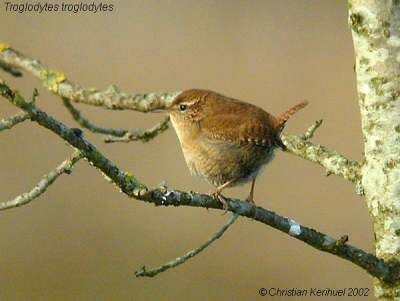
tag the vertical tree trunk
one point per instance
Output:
(375, 26)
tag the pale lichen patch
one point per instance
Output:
(388, 245)
(394, 41)
(295, 228)
(328, 241)
(379, 55)
(52, 79)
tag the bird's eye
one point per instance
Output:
(182, 107)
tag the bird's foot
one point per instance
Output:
(216, 194)
(250, 199)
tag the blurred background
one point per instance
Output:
(83, 240)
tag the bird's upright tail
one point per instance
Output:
(281, 119)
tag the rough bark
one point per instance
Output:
(375, 26)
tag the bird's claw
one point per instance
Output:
(250, 200)
(219, 197)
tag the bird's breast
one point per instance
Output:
(219, 162)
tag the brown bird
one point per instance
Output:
(224, 140)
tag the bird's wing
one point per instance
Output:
(238, 123)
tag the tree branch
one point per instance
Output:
(144, 135)
(333, 162)
(86, 123)
(40, 188)
(116, 135)
(388, 272)
(8, 123)
(110, 98)
(10, 69)
(309, 134)
(143, 272)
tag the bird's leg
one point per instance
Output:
(217, 194)
(250, 198)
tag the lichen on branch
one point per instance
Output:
(333, 162)
(10, 122)
(109, 98)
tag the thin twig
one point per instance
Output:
(44, 183)
(8, 123)
(10, 69)
(144, 135)
(116, 135)
(309, 134)
(143, 272)
(388, 272)
(86, 123)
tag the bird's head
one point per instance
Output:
(188, 106)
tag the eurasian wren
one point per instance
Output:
(224, 140)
